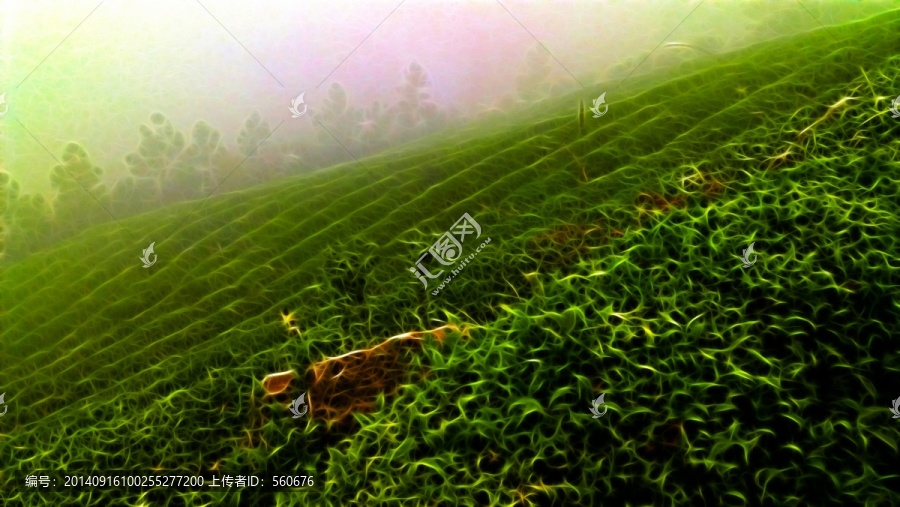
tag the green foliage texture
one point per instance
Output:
(613, 268)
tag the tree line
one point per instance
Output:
(168, 166)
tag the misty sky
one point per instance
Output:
(131, 58)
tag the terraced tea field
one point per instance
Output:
(614, 267)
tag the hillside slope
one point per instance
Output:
(613, 268)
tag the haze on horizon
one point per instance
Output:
(128, 60)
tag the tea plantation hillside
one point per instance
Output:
(613, 267)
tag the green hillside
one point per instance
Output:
(613, 268)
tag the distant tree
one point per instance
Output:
(30, 226)
(194, 173)
(80, 196)
(159, 147)
(253, 133)
(415, 112)
(133, 194)
(149, 167)
(258, 161)
(375, 129)
(341, 125)
(25, 220)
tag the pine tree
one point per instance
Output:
(340, 127)
(30, 225)
(80, 196)
(193, 175)
(252, 135)
(257, 164)
(415, 113)
(149, 167)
